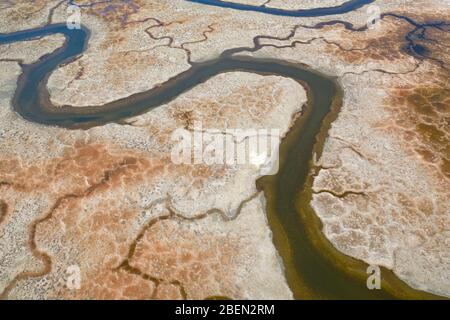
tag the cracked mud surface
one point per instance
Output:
(103, 187)
(292, 4)
(109, 200)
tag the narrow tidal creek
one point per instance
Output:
(314, 269)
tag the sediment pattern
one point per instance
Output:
(109, 200)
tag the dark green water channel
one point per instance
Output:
(314, 268)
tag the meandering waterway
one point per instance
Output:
(313, 12)
(314, 268)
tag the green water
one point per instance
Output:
(314, 268)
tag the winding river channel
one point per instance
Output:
(347, 6)
(314, 268)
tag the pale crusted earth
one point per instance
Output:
(292, 4)
(109, 199)
(303, 4)
(86, 198)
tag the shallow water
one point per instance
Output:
(313, 12)
(314, 268)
